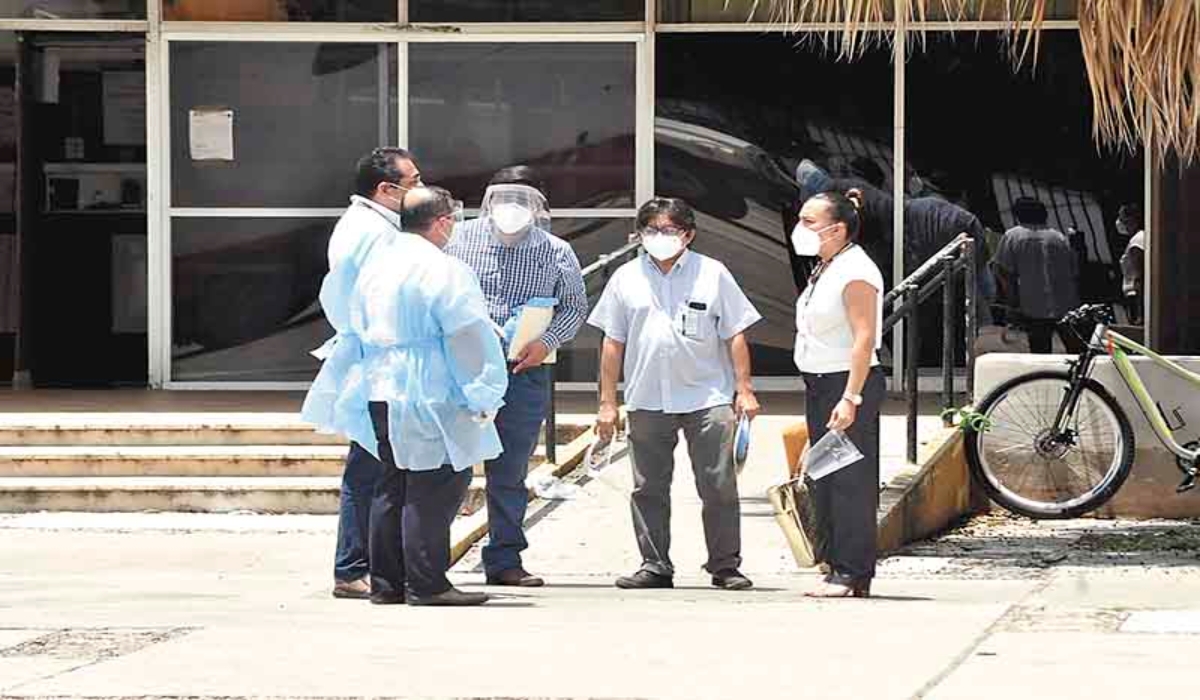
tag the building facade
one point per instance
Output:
(172, 169)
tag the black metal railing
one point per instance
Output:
(595, 276)
(952, 264)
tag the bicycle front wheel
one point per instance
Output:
(1028, 467)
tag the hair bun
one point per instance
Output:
(855, 196)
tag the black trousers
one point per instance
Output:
(847, 501)
(411, 515)
(1041, 337)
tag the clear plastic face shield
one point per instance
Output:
(512, 210)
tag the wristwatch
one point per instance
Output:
(855, 399)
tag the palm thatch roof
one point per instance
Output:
(1142, 56)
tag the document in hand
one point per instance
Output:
(529, 324)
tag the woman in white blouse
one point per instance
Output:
(838, 321)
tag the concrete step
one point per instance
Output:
(181, 461)
(313, 494)
(177, 429)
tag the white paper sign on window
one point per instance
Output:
(210, 134)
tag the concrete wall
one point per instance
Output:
(1150, 489)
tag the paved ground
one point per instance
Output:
(237, 605)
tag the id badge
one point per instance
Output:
(693, 320)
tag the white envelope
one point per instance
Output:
(531, 326)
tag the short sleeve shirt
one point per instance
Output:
(675, 327)
(824, 337)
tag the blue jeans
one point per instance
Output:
(519, 424)
(351, 562)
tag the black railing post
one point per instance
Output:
(949, 324)
(912, 360)
(551, 422)
(970, 291)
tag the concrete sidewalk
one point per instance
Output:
(237, 605)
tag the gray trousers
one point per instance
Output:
(653, 436)
(847, 501)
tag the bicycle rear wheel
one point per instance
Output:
(1026, 468)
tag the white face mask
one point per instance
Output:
(662, 247)
(807, 242)
(511, 219)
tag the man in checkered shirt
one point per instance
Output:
(517, 260)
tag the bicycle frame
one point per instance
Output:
(1118, 347)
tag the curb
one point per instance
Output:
(929, 498)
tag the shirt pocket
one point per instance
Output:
(697, 321)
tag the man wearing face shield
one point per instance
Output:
(517, 259)
(415, 378)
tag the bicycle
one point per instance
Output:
(1055, 444)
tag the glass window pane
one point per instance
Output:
(244, 298)
(590, 238)
(1029, 136)
(526, 10)
(74, 9)
(730, 141)
(301, 114)
(566, 109)
(280, 11)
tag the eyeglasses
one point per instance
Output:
(661, 231)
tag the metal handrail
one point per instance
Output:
(602, 269)
(941, 271)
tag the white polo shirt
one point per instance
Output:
(824, 337)
(676, 329)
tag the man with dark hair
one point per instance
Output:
(415, 377)
(676, 320)
(1037, 272)
(518, 260)
(383, 177)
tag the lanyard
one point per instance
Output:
(816, 274)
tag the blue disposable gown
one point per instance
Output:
(412, 330)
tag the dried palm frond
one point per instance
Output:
(1142, 56)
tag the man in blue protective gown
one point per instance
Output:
(415, 375)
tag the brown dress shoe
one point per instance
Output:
(515, 577)
(450, 598)
(359, 589)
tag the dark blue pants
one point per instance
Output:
(351, 561)
(410, 521)
(519, 423)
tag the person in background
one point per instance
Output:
(1133, 261)
(1037, 271)
(676, 320)
(517, 259)
(839, 318)
(384, 176)
(415, 377)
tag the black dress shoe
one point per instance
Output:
(387, 598)
(731, 580)
(515, 577)
(645, 579)
(450, 598)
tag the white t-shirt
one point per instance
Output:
(824, 337)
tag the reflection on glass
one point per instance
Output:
(280, 10)
(73, 9)
(1029, 135)
(302, 114)
(743, 146)
(526, 10)
(589, 238)
(245, 298)
(566, 109)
